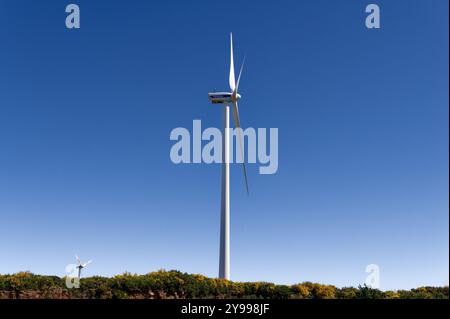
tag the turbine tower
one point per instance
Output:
(227, 99)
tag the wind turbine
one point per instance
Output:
(80, 265)
(227, 99)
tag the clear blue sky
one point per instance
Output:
(85, 118)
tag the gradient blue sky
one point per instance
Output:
(85, 118)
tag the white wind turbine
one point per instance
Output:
(227, 99)
(81, 265)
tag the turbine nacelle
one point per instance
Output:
(223, 97)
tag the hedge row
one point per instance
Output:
(175, 284)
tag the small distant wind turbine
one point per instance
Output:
(227, 98)
(80, 265)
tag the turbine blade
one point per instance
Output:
(86, 263)
(232, 80)
(239, 76)
(237, 124)
(78, 260)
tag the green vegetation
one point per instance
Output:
(174, 284)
